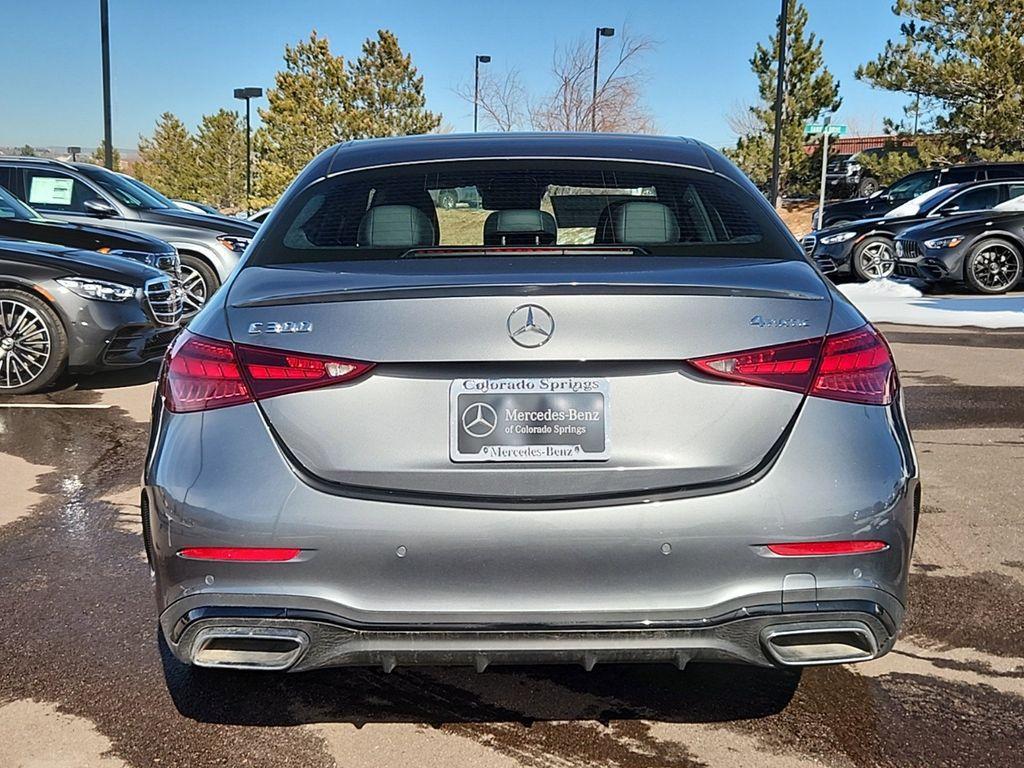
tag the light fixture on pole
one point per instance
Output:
(598, 34)
(476, 87)
(247, 94)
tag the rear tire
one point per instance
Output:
(199, 281)
(867, 187)
(33, 343)
(874, 258)
(993, 267)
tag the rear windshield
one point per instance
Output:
(471, 208)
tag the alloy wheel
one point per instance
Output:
(25, 344)
(877, 260)
(195, 289)
(996, 267)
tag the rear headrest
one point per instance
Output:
(636, 221)
(395, 226)
(520, 227)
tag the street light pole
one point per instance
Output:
(248, 94)
(476, 87)
(598, 34)
(779, 94)
(108, 142)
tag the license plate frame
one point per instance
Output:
(531, 419)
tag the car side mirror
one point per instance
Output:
(100, 207)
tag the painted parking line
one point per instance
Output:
(56, 405)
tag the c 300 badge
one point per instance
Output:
(288, 326)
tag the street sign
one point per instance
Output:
(833, 129)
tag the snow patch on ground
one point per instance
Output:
(898, 301)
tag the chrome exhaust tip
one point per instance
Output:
(263, 648)
(802, 645)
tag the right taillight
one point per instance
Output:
(202, 374)
(855, 366)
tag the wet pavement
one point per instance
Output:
(84, 681)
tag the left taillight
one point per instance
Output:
(855, 366)
(202, 374)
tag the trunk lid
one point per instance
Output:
(621, 325)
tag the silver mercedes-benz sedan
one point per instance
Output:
(611, 414)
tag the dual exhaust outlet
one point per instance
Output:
(278, 648)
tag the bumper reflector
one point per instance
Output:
(241, 554)
(818, 548)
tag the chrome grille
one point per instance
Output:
(164, 298)
(808, 243)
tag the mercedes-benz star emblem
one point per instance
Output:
(479, 420)
(530, 325)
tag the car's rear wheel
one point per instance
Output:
(874, 259)
(993, 266)
(198, 280)
(33, 343)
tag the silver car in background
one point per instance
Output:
(613, 414)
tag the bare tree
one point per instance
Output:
(619, 103)
(503, 99)
(742, 121)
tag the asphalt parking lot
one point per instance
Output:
(84, 683)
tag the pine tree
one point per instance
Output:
(168, 161)
(306, 113)
(220, 153)
(98, 157)
(965, 58)
(387, 92)
(809, 90)
(27, 151)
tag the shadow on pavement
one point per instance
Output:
(702, 693)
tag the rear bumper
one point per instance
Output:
(748, 636)
(382, 580)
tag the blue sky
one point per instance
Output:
(186, 56)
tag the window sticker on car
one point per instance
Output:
(49, 190)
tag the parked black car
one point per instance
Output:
(20, 222)
(209, 246)
(63, 309)
(866, 248)
(909, 187)
(984, 250)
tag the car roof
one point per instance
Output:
(426, 148)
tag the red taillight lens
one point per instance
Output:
(788, 366)
(271, 372)
(855, 366)
(241, 554)
(202, 373)
(819, 548)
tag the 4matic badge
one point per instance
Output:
(779, 322)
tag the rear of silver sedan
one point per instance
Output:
(613, 415)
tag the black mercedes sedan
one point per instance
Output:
(63, 309)
(983, 250)
(865, 248)
(19, 221)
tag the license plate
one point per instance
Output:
(528, 420)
